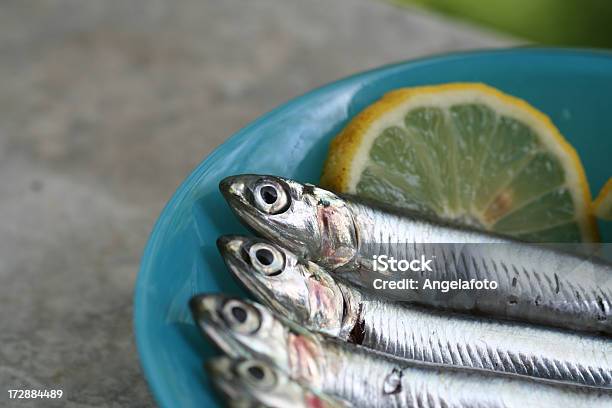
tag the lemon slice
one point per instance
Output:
(469, 153)
(602, 206)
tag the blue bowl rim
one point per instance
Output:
(154, 381)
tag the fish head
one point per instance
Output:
(251, 382)
(238, 327)
(222, 375)
(311, 222)
(299, 290)
(245, 329)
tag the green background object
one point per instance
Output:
(586, 23)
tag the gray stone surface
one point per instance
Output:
(105, 107)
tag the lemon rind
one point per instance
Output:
(602, 206)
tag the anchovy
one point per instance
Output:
(248, 383)
(305, 293)
(369, 379)
(344, 235)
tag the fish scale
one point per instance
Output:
(374, 380)
(416, 333)
(534, 284)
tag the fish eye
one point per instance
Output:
(270, 197)
(241, 317)
(268, 194)
(266, 259)
(257, 374)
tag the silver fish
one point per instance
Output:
(305, 293)
(344, 235)
(249, 383)
(369, 379)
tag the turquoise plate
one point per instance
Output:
(573, 87)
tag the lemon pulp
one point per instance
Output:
(468, 153)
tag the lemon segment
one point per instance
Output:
(602, 206)
(469, 153)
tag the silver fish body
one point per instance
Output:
(377, 381)
(534, 284)
(307, 294)
(421, 334)
(369, 379)
(342, 234)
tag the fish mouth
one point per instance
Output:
(233, 249)
(237, 191)
(204, 311)
(219, 370)
(231, 246)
